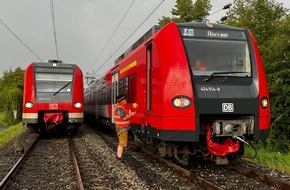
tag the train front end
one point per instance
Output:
(229, 85)
(53, 97)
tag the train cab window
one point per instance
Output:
(53, 87)
(230, 57)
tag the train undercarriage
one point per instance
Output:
(182, 152)
(218, 141)
(53, 123)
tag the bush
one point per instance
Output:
(7, 118)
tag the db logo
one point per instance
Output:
(228, 107)
(53, 106)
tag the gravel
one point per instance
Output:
(96, 154)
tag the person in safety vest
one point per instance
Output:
(122, 121)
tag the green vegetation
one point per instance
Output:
(11, 93)
(274, 160)
(187, 11)
(11, 133)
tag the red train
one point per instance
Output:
(53, 96)
(201, 90)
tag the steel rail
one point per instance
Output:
(189, 175)
(75, 164)
(17, 164)
(261, 177)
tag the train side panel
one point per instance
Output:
(76, 114)
(29, 115)
(170, 78)
(264, 113)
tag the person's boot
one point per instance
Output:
(120, 161)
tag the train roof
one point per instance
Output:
(156, 28)
(50, 64)
(143, 38)
(208, 25)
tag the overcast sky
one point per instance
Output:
(85, 29)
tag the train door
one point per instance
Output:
(114, 93)
(148, 77)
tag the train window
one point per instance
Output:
(215, 55)
(109, 94)
(103, 96)
(97, 96)
(132, 88)
(128, 87)
(123, 86)
(52, 87)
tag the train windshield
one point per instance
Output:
(54, 87)
(218, 56)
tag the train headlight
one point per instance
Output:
(29, 105)
(181, 102)
(264, 102)
(77, 105)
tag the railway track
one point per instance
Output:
(271, 181)
(50, 166)
(46, 164)
(189, 175)
(207, 184)
(98, 164)
(221, 177)
(204, 182)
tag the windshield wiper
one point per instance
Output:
(61, 88)
(221, 72)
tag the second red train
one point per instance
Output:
(53, 99)
(201, 90)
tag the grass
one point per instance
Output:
(11, 133)
(273, 160)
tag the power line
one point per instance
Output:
(53, 24)
(109, 41)
(227, 6)
(5, 26)
(130, 35)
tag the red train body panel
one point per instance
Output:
(53, 96)
(180, 107)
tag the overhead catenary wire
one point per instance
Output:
(53, 25)
(9, 29)
(109, 41)
(227, 6)
(130, 36)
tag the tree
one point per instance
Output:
(277, 59)
(186, 11)
(260, 16)
(12, 78)
(11, 93)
